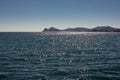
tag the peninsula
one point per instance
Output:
(82, 29)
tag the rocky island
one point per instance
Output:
(82, 29)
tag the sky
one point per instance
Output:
(35, 15)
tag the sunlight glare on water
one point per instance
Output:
(60, 56)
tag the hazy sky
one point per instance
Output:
(35, 15)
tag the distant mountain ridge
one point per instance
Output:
(82, 29)
(51, 29)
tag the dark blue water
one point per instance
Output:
(59, 56)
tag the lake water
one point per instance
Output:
(59, 56)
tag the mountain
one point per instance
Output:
(77, 29)
(51, 29)
(82, 29)
(104, 29)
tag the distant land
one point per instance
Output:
(82, 29)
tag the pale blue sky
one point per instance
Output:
(35, 15)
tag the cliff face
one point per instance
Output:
(81, 29)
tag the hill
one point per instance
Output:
(82, 29)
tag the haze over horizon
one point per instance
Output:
(35, 15)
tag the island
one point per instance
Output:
(82, 29)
